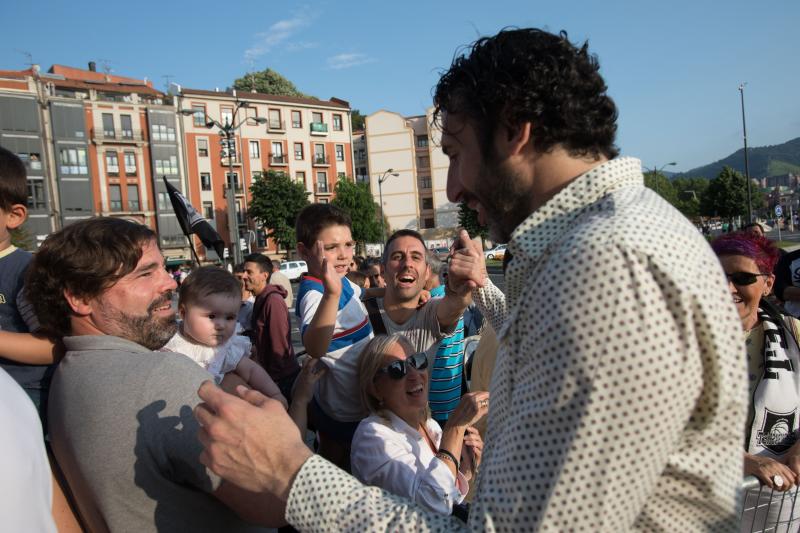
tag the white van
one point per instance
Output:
(293, 269)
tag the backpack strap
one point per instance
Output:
(374, 312)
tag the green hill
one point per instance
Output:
(763, 161)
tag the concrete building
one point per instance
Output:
(310, 140)
(417, 197)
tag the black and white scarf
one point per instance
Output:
(776, 398)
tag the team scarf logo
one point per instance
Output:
(777, 434)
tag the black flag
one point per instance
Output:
(191, 221)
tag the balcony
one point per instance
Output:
(276, 125)
(124, 137)
(226, 161)
(279, 160)
(237, 189)
(319, 128)
(323, 187)
(321, 160)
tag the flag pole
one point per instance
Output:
(194, 254)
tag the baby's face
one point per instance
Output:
(338, 247)
(213, 321)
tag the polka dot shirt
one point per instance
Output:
(618, 398)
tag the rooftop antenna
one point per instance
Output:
(27, 54)
(106, 65)
(252, 75)
(167, 78)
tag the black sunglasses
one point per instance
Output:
(399, 369)
(743, 279)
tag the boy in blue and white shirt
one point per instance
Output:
(335, 326)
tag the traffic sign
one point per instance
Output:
(778, 211)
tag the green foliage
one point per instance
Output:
(267, 81)
(762, 161)
(662, 185)
(356, 200)
(275, 204)
(777, 168)
(726, 195)
(688, 192)
(356, 120)
(21, 238)
(468, 219)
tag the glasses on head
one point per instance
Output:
(399, 369)
(743, 279)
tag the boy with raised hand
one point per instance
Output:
(27, 358)
(335, 326)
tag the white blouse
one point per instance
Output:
(390, 454)
(217, 360)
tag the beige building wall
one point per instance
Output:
(446, 211)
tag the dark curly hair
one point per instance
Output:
(84, 258)
(530, 75)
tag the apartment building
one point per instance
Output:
(416, 198)
(308, 139)
(95, 144)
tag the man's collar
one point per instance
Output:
(80, 343)
(544, 225)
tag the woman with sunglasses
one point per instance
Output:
(772, 450)
(399, 447)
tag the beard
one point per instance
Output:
(149, 331)
(504, 197)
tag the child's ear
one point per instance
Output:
(302, 250)
(16, 216)
(182, 311)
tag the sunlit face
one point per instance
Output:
(493, 189)
(213, 321)
(406, 269)
(338, 247)
(138, 307)
(254, 279)
(406, 396)
(746, 297)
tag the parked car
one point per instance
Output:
(441, 253)
(293, 269)
(495, 253)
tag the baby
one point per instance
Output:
(208, 303)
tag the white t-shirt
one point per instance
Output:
(25, 484)
(217, 360)
(337, 391)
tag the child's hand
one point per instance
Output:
(319, 267)
(303, 388)
(424, 296)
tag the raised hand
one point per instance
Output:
(319, 267)
(467, 268)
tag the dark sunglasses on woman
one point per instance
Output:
(399, 369)
(743, 279)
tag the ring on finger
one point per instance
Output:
(483, 403)
(777, 480)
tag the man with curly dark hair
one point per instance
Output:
(618, 399)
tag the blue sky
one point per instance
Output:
(672, 67)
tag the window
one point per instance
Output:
(112, 163)
(167, 166)
(205, 181)
(226, 113)
(300, 177)
(340, 175)
(202, 147)
(297, 119)
(428, 223)
(277, 153)
(108, 125)
(339, 152)
(316, 118)
(322, 182)
(199, 117)
(233, 179)
(274, 122)
(31, 160)
(422, 141)
(133, 197)
(425, 183)
(257, 174)
(427, 203)
(298, 151)
(115, 197)
(208, 210)
(337, 122)
(36, 198)
(322, 200)
(241, 216)
(319, 154)
(162, 132)
(127, 126)
(255, 150)
(424, 161)
(130, 163)
(163, 201)
(73, 161)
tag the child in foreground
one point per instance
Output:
(208, 303)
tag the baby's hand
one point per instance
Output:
(303, 388)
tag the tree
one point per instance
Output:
(689, 192)
(468, 219)
(356, 200)
(726, 195)
(21, 238)
(357, 120)
(267, 81)
(276, 202)
(662, 185)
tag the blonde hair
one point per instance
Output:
(371, 360)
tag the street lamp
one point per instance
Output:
(657, 170)
(746, 166)
(227, 132)
(383, 178)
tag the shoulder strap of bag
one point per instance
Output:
(378, 327)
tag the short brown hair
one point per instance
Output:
(85, 258)
(206, 281)
(13, 180)
(359, 278)
(316, 217)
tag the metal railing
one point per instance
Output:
(321, 159)
(319, 128)
(323, 187)
(278, 159)
(117, 136)
(769, 511)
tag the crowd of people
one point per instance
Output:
(610, 394)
